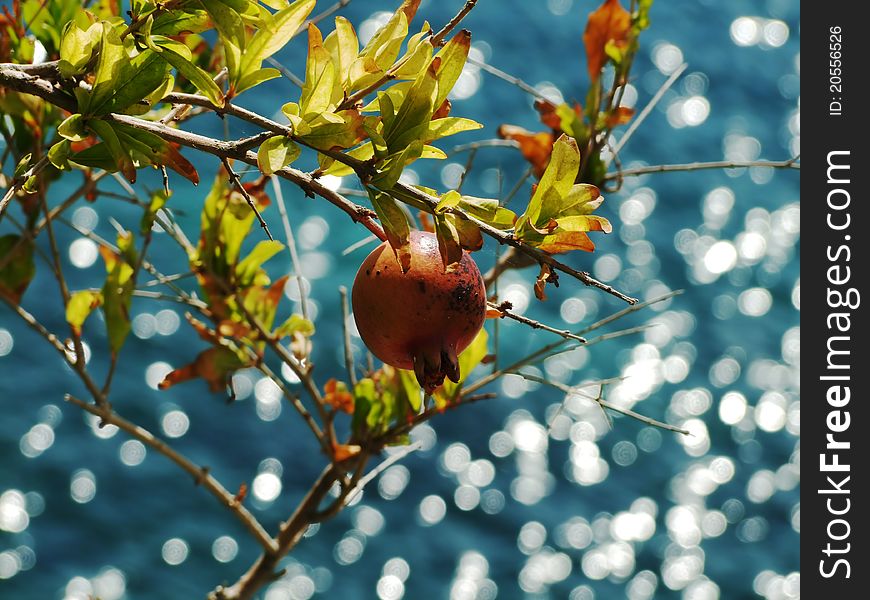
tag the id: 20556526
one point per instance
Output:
(835, 70)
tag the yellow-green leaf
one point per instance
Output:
(448, 200)
(255, 78)
(395, 224)
(448, 242)
(274, 33)
(293, 325)
(452, 60)
(343, 46)
(319, 76)
(468, 360)
(178, 55)
(80, 306)
(73, 128)
(556, 183)
(77, 47)
(440, 128)
(112, 59)
(276, 153)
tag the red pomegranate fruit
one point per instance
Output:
(421, 319)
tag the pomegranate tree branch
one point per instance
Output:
(201, 475)
(506, 313)
(792, 163)
(438, 39)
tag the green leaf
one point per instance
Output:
(448, 200)
(385, 44)
(111, 61)
(365, 398)
(317, 92)
(255, 78)
(412, 119)
(274, 34)
(77, 47)
(276, 153)
(158, 201)
(343, 46)
(330, 135)
(393, 166)
(395, 224)
(174, 22)
(144, 74)
(121, 158)
(228, 23)
(583, 199)
(22, 166)
(58, 155)
(16, 256)
(248, 267)
(556, 183)
(468, 360)
(154, 150)
(80, 306)
(448, 242)
(118, 291)
(262, 302)
(73, 128)
(440, 128)
(417, 57)
(95, 157)
(410, 387)
(293, 325)
(452, 60)
(489, 211)
(178, 55)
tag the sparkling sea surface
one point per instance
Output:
(518, 497)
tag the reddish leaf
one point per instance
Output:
(442, 111)
(610, 22)
(619, 116)
(548, 114)
(344, 451)
(566, 241)
(547, 275)
(338, 396)
(535, 147)
(16, 266)
(215, 365)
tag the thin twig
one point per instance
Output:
(238, 183)
(493, 143)
(504, 312)
(291, 244)
(545, 351)
(383, 466)
(649, 107)
(357, 245)
(792, 163)
(602, 402)
(508, 78)
(294, 79)
(20, 181)
(438, 39)
(200, 474)
(348, 350)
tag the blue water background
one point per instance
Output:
(733, 333)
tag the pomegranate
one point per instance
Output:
(421, 319)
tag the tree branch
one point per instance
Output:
(792, 163)
(201, 475)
